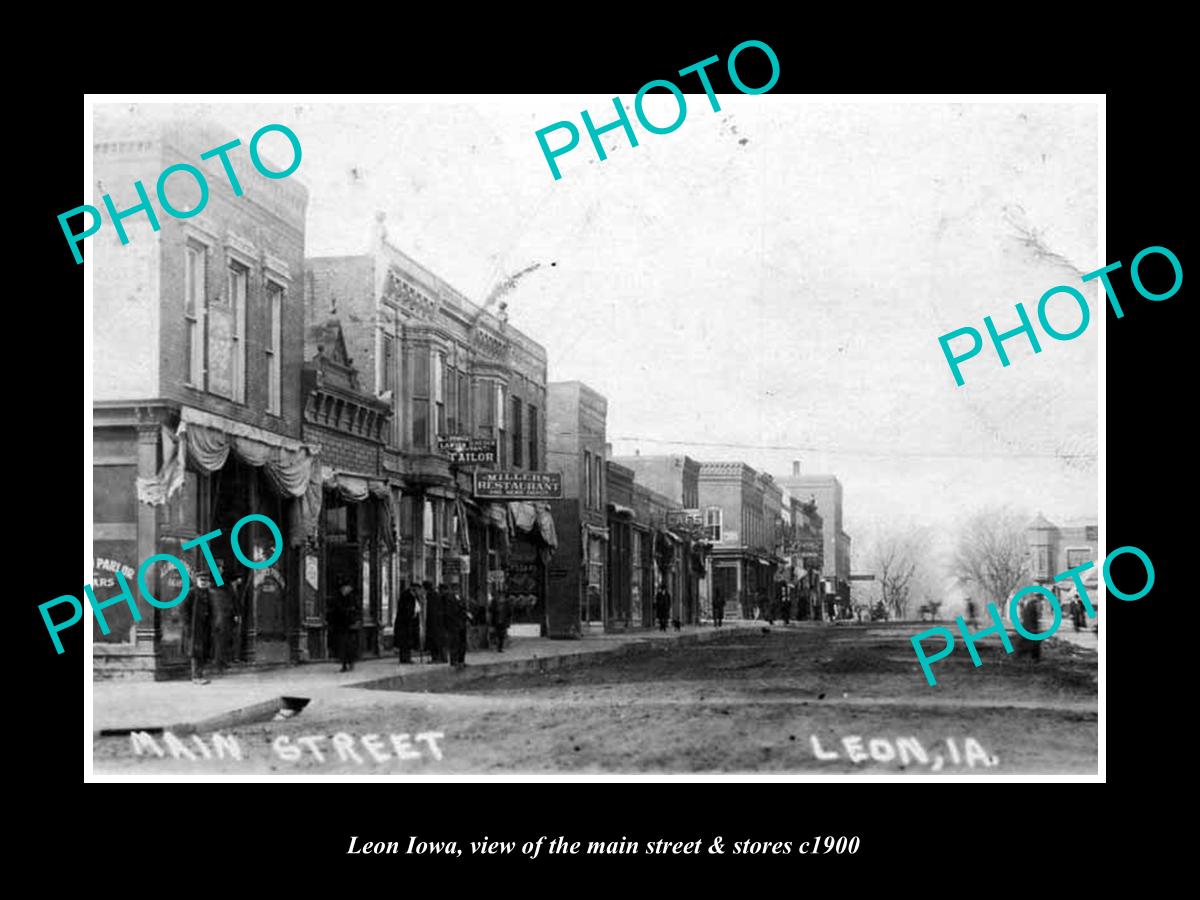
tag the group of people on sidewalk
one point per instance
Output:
(447, 616)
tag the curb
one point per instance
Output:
(438, 679)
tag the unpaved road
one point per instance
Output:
(800, 699)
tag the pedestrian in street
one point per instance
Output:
(1077, 612)
(341, 616)
(1031, 622)
(500, 611)
(785, 607)
(197, 626)
(972, 612)
(718, 607)
(406, 612)
(435, 641)
(456, 616)
(662, 608)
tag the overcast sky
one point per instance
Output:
(772, 277)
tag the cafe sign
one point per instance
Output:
(463, 449)
(512, 485)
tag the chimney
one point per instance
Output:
(795, 468)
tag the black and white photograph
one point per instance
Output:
(525, 436)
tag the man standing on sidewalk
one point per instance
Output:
(501, 613)
(456, 617)
(718, 607)
(435, 642)
(406, 612)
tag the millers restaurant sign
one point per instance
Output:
(512, 485)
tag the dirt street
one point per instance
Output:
(804, 698)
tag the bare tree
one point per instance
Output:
(991, 556)
(898, 559)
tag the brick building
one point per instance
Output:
(577, 417)
(666, 495)
(356, 538)
(446, 367)
(198, 337)
(1057, 548)
(835, 570)
(731, 496)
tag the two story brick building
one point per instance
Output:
(198, 337)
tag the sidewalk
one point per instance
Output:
(181, 706)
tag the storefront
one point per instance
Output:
(217, 472)
(355, 544)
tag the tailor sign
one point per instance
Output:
(511, 485)
(463, 449)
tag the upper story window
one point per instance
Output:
(501, 447)
(274, 348)
(239, 280)
(195, 308)
(533, 437)
(518, 438)
(439, 392)
(713, 520)
(587, 478)
(420, 438)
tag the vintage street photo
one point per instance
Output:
(763, 446)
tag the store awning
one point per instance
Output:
(618, 510)
(204, 441)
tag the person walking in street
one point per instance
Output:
(1031, 622)
(500, 611)
(435, 640)
(662, 608)
(406, 612)
(718, 608)
(341, 617)
(1077, 612)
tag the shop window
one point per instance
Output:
(1077, 556)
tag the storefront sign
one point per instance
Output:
(463, 449)
(507, 485)
(685, 517)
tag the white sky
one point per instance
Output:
(776, 274)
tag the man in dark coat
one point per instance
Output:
(341, 617)
(197, 626)
(718, 608)
(501, 613)
(406, 611)
(456, 616)
(435, 642)
(662, 608)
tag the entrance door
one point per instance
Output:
(341, 564)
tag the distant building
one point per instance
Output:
(827, 491)
(668, 540)
(743, 540)
(1054, 549)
